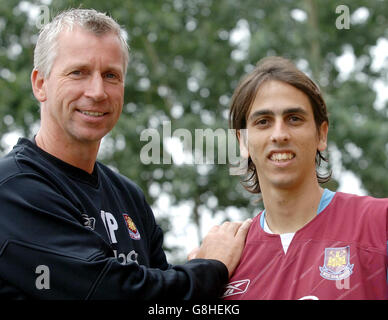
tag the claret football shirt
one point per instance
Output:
(340, 254)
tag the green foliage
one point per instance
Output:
(184, 68)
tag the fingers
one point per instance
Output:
(231, 227)
(215, 228)
(224, 243)
(243, 230)
(239, 229)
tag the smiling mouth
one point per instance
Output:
(92, 113)
(282, 156)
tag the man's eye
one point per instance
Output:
(76, 73)
(295, 119)
(262, 122)
(111, 75)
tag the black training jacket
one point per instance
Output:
(67, 234)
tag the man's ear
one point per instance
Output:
(323, 130)
(242, 135)
(38, 85)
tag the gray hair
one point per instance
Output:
(89, 19)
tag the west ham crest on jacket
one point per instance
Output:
(133, 232)
(337, 264)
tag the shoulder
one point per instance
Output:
(25, 171)
(360, 204)
(26, 178)
(28, 190)
(9, 165)
(364, 216)
(23, 159)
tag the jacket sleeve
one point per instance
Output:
(46, 253)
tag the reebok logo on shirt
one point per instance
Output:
(236, 287)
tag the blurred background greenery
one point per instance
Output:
(187, 57)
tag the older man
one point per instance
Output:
(71, 227)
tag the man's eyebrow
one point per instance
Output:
(295, 110)
(83, 66)
(266, 112)
(77, 66)
(258, 113)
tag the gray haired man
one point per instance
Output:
(71, 227)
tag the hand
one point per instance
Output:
(224, 243)
(193, 254)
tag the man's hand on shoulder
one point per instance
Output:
(224, 243)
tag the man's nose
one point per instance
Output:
(95, 88)
(280, 133)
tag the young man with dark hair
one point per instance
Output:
(308, 242)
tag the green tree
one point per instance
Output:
(186, 59)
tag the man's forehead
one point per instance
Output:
(277, 97)
(71, 33)
(80, 45)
